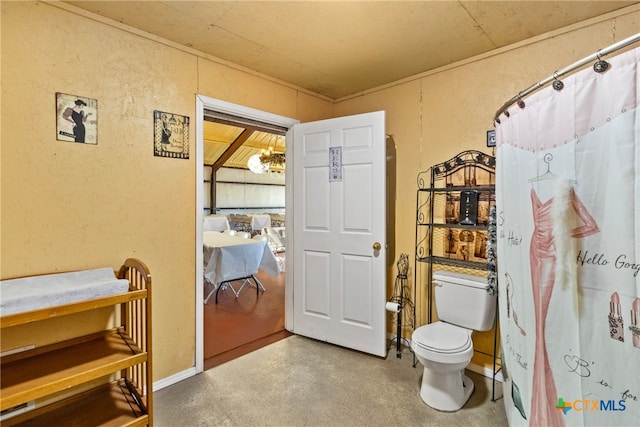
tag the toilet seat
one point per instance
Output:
(443, 338)
(443, 342)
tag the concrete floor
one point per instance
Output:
(302, 382)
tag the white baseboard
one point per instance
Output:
(484, 371)
(173, 379)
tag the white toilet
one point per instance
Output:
(444, 348)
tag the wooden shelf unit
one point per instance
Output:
(123, 352)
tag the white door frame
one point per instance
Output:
(202, 103)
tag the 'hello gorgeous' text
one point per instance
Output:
(621, 262)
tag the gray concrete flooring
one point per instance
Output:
(302, 382)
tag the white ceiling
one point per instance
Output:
(340, 48)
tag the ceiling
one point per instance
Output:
(220, 137)
(340, 48)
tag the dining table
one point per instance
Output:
(228, 258)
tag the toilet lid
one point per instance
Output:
(443, 338)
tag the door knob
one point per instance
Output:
(377, 246)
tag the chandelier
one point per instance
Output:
(263, 162)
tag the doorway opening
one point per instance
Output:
(244, 192)
(228, 135)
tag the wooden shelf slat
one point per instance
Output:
(37, 373)
(77, 307)
(110, 405)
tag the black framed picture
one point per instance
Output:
(465, 245)
(76, 118)
(171, 135)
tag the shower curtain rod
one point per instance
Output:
(598, 55)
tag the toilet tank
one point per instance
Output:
(464, 300)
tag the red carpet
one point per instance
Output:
(237, 326)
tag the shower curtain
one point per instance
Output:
(568, 217)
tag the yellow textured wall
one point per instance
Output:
(68, 206)
(252, 91)
(437, 115)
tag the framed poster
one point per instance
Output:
(480, 247)
(452, 208)
(485, 202)
(451, 243)
(465, 245)
(76, 119)
(170, 135)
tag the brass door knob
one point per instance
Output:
(377, 246)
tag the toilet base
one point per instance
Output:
(445, 391)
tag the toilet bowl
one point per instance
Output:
(444, 351)
(464, 303)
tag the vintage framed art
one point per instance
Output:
(171, 135)
(466, 245)
(475, 208)
(76, 119)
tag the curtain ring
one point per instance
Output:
(601, 66)
(557, 84)
(519, 101)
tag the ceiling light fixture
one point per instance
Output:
(255, 164)
(263, 162)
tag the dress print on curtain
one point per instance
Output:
(568, 227)
(543, 278)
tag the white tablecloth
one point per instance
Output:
(258, 221)
(232, 257)
(215, 223)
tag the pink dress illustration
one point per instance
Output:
(543, 276)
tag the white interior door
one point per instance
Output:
(339, 231)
